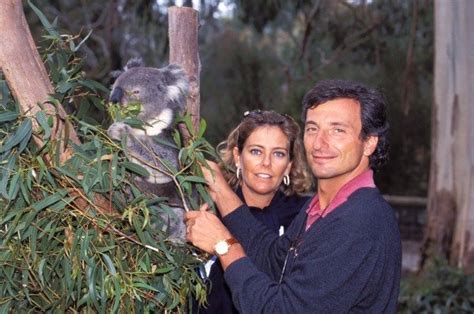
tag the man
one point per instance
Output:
(343, 253)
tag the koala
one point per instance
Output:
(162, 93)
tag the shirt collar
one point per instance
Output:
(363, 180)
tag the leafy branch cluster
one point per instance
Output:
(440, 289)
(59, 249)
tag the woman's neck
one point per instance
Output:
(253, 199)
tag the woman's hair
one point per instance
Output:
(300, 178)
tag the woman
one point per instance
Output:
(263, 161)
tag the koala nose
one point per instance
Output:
(116, 95)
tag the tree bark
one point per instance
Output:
(26, 75)
(183, 35)
(450, 227)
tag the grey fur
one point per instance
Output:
(162, 93)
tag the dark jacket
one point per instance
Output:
(280, 212)
(347, 262)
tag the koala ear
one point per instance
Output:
(177, 85)
(134, 63)
(115, 74)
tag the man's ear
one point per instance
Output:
(370, 144)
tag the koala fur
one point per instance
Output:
(161, 93)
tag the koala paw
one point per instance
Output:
(118, 130)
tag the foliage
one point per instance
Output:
(439, 289)
(61, 249)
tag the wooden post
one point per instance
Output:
(26, 75)
(183, 25)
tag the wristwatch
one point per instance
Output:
(222, 247)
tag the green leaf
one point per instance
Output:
(177, 138)
(137, 169)
(202, 128)
(140, 284)
(51, 30)
(7, 116)
(110, 264)
(24, 130)
(93, 85)
(24, 192)
(205, 195)
(91, 283)
(5, 176)
(41, 266)
(63, 87)
(194, 179)
(50, 200)
(43, 122)
(14, 186)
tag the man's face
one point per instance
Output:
(334, 149)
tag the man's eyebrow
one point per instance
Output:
(310, 122)
(338, 123)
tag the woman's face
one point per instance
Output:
(264, 160)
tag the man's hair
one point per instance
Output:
(372, 111)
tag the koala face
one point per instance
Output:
(161, 92)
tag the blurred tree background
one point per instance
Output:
(266, 54)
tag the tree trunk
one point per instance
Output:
(26, 75)
(183, 36)
(450, 227)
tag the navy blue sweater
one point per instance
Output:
(280, 212)
(346, 262)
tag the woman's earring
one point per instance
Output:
(286, 180)
(238, 172)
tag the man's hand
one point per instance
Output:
(204, 230)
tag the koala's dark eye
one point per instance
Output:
(136, 92)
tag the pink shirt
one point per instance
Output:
(314, 211)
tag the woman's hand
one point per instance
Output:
(219, 190)
(215, 179)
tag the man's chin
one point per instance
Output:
(321, 174)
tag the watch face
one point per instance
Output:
(221, 247)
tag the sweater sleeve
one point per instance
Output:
(329, 273)
(264, 247)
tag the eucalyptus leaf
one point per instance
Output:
(50, 200)
(23, 131)
(7, 116)
(43, 122)
(47, 25)
(135, 168)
